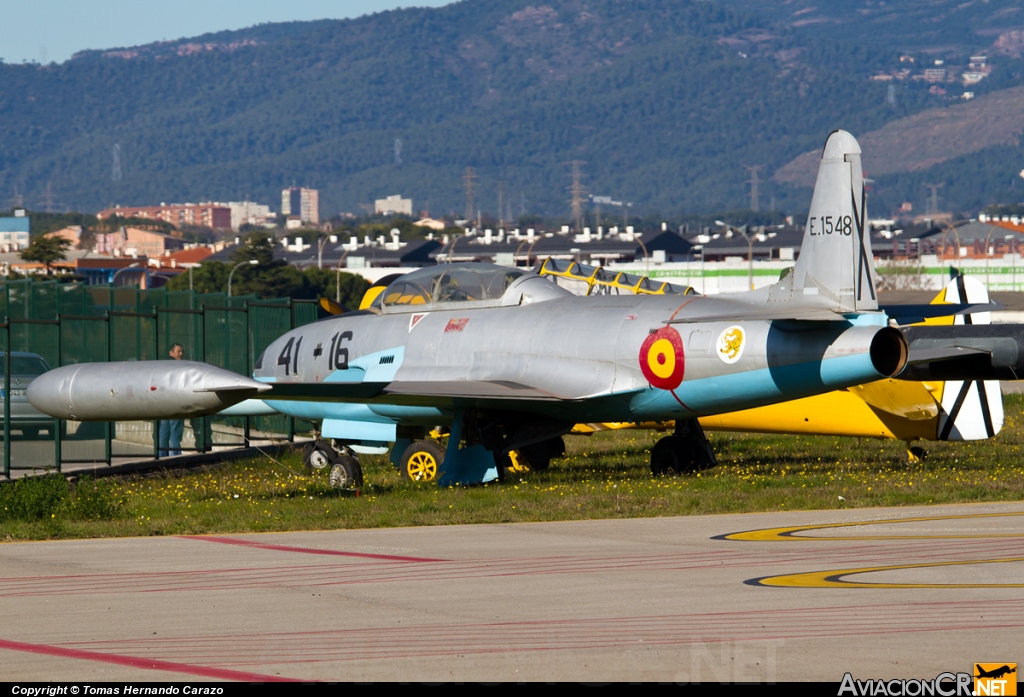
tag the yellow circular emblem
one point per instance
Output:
(661, 358)
(730, 344)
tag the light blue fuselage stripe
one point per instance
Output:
(746, 390)
(706, 396)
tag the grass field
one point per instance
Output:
(602, 476)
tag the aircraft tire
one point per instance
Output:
(319, 454)
(421, 461)
(346, 473)
(538, 456)
(671, 455)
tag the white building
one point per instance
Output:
(302, 204)
(393, 204)
(248, 213)
(14, 232)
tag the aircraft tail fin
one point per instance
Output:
(835, 255)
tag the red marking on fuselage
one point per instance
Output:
(692, 411)
(144, 663)
(306, 550)
(681, 307)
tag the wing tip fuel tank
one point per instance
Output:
(139, 391)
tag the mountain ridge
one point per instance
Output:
(665, 101)
(928, 138)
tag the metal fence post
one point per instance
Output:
(7, 397)
(109, 425)
(56, 421)
(204, 421)
(291, 321)
(248, 369)
(156, 351)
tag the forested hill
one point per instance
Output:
(664, 100)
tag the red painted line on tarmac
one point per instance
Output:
(355, 571)
(305, 550)
(388, 643)
(144, 663)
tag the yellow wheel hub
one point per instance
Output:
(422, 467)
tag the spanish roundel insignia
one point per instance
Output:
(661, 359)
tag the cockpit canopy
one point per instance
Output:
(469, 284)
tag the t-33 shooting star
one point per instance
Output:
(510, 360)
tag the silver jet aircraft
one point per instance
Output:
(511, 361)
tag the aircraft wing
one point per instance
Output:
(903, 314)
(813, 314)
(412, 393)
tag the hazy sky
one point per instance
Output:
(52, 30)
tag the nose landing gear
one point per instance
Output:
(686, 450)
(344, 469)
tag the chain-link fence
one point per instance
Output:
(49, 324)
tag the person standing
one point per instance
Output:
(170, 432)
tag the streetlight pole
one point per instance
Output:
(1012, 247)
(988, 237)
(951, 227)
(121, 271)
(515, 256)
(750, 239)
(251, 262)
(451, 249)
(337, 277)
(320, 252)
(692, 251)
(647, 260)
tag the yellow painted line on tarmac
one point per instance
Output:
(836, 579)
(791, 533)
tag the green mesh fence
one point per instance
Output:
(132, 337)
(181, 300)
(45, 300)
(41, 337)
(5, 396)
(82, 340)
(19, 299)
(267, 321)
(180, 326)
(70, 323)
(226, 336)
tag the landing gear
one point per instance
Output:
(319, 454)
(538, 456)
(671, 456)
(687, 450)
(344, 472)
(518, 464)
(422, 460)
(916, 454)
